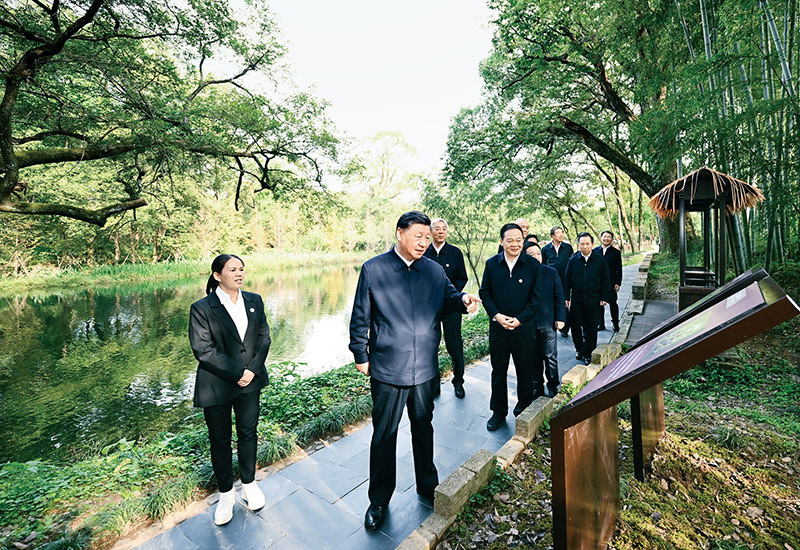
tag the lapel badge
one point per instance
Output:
(520, 280)
(253, 310)
(447, 265)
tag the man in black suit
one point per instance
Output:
(614, 260)
(587, 284)
(551, 314)
(394, 337)
(452, 260)
(556, 254)
(507, 292)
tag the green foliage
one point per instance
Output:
(292, 402)
(778, 405)
(169, 469)
(727, 436)
(74, 540)
(167, 497)
(624, 410)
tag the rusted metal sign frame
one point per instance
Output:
(732, 287)
(588, 453)
(647, 408)
(571, 498)
(647, 426)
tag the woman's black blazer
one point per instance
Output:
(222, 356)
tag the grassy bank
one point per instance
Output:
(109, 275)
(126, 485)
(724, 477)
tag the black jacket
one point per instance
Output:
(558, 261)
(588, 281)
(395, 324)
(549, 298)
(614, 260)
(452, 260)
(510, 294)
(222, 356)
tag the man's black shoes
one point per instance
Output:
(579, 356)
(459, 389)
(601, 327)
(426, 494)
(616, 327)
(374, 517)
(495, 422)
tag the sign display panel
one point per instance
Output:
(586, 429)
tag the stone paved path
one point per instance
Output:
(319, 502)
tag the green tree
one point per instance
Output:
(138, 86)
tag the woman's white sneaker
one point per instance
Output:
(253, 495)
(224, 512)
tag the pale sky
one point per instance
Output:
(405, 66)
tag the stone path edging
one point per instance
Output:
(452, 494)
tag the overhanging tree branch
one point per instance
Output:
(96, 217)
(570, 128)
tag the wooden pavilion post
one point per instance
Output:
(707, 239)
(682, 238)
(716, 239)
(723, 244)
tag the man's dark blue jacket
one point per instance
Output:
(452, 260)
(614, 260)
(510, 293)
(588, 281)
(395, 324)
(558, 261)
(549, 298)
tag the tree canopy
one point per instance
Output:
(133, 93)
(635, 90)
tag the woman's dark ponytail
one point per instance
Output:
(216, 267)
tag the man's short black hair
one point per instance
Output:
(607, 231)
(508, 227)
(531, 236)
(530, 244)
(585, 234)
(554, 229)
(410, 218)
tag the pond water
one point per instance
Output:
(81, 369)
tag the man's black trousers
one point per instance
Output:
(218, 420)
(388, 402)
(613, 306)
(546, 355)
(504, 344)
(451, 327)
(585, 318)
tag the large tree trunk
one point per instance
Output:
(668, 240)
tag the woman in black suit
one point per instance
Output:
(229, 335)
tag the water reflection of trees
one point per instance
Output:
(87, 368)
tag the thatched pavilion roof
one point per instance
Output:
(702, 187)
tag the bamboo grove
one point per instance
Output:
(644, 91)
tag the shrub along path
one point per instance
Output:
(319, 501)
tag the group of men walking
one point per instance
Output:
(409, 295)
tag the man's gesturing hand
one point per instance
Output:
(471, 302)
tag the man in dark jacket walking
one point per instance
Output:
(614, 260)
(507, 292)
(587, 285)
(394, 337)
(452, 260)
(556, 254)
(551, 314)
